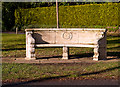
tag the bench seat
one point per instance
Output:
(65, 45)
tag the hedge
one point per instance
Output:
(70, 16)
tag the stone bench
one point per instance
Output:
(66, 37)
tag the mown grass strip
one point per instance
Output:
(81, 70)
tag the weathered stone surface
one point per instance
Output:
(65, 53)
(66, 37)
(30, 46)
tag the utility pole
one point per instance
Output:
(57, 14)
(16, 30)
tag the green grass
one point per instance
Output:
(14, 46)
(41, 71)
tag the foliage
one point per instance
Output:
(70, 16)
(8, 9)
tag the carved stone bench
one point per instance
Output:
(66, 37)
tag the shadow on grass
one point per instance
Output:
(91, 55)
(114, 54)
(58, 77)
(113, 41)
(114, 48)
(14, 49)
(77, 56)
(98, 72)
(35, 80)
(49, 57)
(85, 55)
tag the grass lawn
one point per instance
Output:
(14, 46)
(22, 72)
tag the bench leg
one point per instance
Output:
(65, 53)
(100, 53)
(30, 46)
(30, 52)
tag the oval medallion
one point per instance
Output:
(67, 35)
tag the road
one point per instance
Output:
(96, 82)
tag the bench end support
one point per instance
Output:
(100, 53)
(30, 46)
(65, 53)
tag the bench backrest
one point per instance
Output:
(67, 35)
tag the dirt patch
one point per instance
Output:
(87, 60)
(79, 81)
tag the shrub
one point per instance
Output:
(70, 16)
